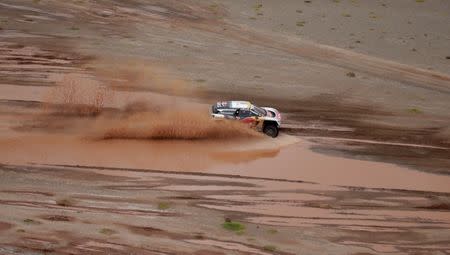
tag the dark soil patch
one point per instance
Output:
(5, 226)
(438, 207)
(57, 218)
(151, 231)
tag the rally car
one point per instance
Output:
(265, 119)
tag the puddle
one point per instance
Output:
(294, 162)
(298, 162)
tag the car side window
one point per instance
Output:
(254, 114)
(228, 113)
(244, 114)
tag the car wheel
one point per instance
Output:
(271, 130)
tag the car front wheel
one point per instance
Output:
(271, 130)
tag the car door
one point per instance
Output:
(246, 116)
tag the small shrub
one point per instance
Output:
(213, 6)
(272, 231)
(163, 205)
(31, 221)
(346, 15)
(64, 202)
(257, 7)
(233, 226)
(414, 110)
(199, 236)
(270, 248)
(57, 218)
(107, 231)
(351, 74)
(300, 23)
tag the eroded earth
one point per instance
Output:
(107, 147)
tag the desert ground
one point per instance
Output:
(107, 146)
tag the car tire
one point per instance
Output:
(271, 130)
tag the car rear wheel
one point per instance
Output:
(271, 130)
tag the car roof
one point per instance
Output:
(234, 105)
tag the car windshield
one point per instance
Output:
(260, 111)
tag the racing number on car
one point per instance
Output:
(222, 104)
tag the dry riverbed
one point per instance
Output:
(106, 145)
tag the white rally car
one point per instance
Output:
(265, 119)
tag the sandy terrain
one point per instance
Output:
(106, 145)
(109, 210)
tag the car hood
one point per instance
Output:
(274, 113)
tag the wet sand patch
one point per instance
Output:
(5, 226)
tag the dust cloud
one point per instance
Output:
(121, 121)
(173, 123)
(77, 95)
(84, 100)
(86, 121)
